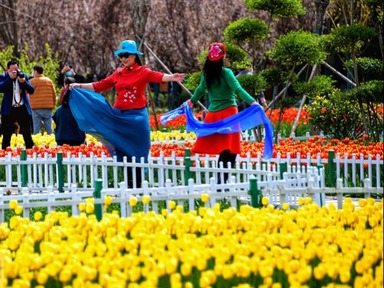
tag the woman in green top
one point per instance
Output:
(222, 86)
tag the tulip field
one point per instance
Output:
(304, 246)
(265, 247)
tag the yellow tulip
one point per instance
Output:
(175, 280)
(90, 200)
(285, 206)
(227, 272)
(264, 201)
(188, 285)
(362, 202)
(146, 199)
(4, 231)
(319, 272)
(89, 208)
(301, 201)
(186, 269)
(37, 216)
(108, 200)
(42, 277)
(371, 201)
(164, 212)
(204, 197)
(133, 201)
(307, 200)
(19, 209)
(82, 207)
(179, 208)
(13, 204)
(65, 275)
(172, 204)
(345, 276)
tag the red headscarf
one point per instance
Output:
(216, 51)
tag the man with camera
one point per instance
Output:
(15, 107)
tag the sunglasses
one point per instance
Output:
(124, 55)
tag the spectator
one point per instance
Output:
(67, 130)
(69, 71)
(43, 100)
(15, 107)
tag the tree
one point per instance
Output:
(350, 41)
(292, 50)
(321, 7)
(9, 15)
(245, 33)
(85, 33)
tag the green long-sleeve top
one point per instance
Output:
(222, 95)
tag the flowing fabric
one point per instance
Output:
(123, 132)
(217, 143)
(244, 120)
(170, 115)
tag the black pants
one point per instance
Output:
(138, 177)
(225, 157)
(24, 120)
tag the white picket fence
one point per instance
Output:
(164, 179)
(42, 172)
(231, 192)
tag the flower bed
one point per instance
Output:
(307, 247)
(176, 142)
(211, 247)
(175, 139)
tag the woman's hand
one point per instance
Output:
(74, 85)
(189, 103)
(86, 86)
(77, 85)
(265, 106)
(178, 77)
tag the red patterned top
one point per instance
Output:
(130, 84)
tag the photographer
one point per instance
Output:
(15, 107)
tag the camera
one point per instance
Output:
(20, 74)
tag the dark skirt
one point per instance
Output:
(123, 132)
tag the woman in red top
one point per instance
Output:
(123, 128)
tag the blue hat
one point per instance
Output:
(128, 46)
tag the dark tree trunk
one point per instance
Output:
(321, 6)
(9, 31)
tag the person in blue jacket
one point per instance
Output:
(15, 107)
(67, 130)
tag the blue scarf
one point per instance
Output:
(242, 121)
